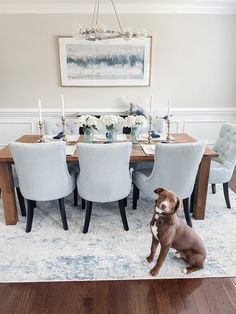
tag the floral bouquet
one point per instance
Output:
(89, 124)
(111, 123)
(135, 122)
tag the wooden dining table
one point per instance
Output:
(137, 156)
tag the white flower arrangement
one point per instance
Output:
(135, 121)
(87, 121)
(111, 121)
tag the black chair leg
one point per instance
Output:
(87, 216)
(83, 203)
(63, 213)
(21, 202)
(213, 188)
(125, 201)
(226, 194)
(135, 196)
(123, 214)
(34, 204)
(186, 211)
(75, 197)
(30, 215)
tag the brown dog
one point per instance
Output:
(170, 231)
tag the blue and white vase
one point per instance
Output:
(134, 133)
(111, 135)
(88, 135)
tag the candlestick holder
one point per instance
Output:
(168, 137)
(149, 140)
(63, 121)
(40, 125)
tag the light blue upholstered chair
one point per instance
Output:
(222, 167)
(53, 127)
(43, 175)
(104, 176)
(175, 168)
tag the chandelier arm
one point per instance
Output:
(117, 16)
(94, 13)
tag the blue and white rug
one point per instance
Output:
(106, 252)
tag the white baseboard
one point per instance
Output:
(201, 123)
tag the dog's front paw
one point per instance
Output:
(154, 272)
(185, 270)
(149, 259)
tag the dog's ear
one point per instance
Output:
(159, 190)
(178, 205)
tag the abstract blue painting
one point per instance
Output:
(110, 63)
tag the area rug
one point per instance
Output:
(107, 252)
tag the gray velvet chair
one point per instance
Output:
(104, 176)
(175, 168)
(223, 166)
(43, 175)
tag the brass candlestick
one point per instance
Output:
(40, 125)
(63, 121)
(168, 137)
(150, 130)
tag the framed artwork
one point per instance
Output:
(113, 62)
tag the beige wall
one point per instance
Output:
(193, 61)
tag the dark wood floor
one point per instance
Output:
(191, 296)
(203, 296)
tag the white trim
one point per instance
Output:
(213, 7)
(183, 111)
(31, 123)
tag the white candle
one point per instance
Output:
(151, 103)
(62, 106)
(169, 105)
(40, 110)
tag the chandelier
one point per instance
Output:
(99, 31)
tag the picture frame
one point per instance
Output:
(114, 62)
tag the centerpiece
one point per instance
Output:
(135, 123)
(111, 122)
(89, 124)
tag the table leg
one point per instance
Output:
(8, 193)
(199, 206)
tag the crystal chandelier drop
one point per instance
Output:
(99, 31)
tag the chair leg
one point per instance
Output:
(123, 214)
(75, 197)
(63, 213)
(135, 196)
(226, 194)
(87, 216)
(21, 202)
(213, 188)
(30, 215)
(83, 203)
(34, 204)
(186, 211)
(125, 201)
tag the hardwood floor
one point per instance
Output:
(203, 296)
(216, 295)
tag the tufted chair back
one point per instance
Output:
(225, 146)
(53, 127)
